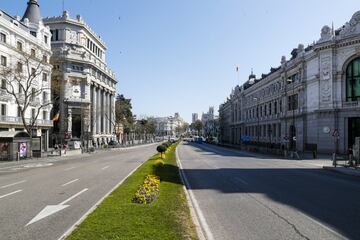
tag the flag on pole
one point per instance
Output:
(237, 68)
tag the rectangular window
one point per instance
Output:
(19, 46)
(270, 109)
(33, 113)
(2, 37)
(19, 67)
(33, 93)
(265, 110)
(293, 78)
(45, 77)
(33, 53)
(45, 59)
(3, 109)
(3, 84)
(293, 102)
(280, 106)
(20, 88)
(45, 97)
(279, 130)
(46, 39)
(19, 111)
(33, 72)
(275, 107)
(45, 115)
(33, 33)
(264, 130)
(3, 61)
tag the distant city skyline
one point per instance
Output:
(181, 56)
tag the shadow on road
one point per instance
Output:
(330, 198)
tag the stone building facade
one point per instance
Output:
(25, 49)
(311, 101)
(168, 126)
(85, 102)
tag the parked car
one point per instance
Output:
(113, 143)
(198, 140)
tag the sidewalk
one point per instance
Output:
(344, 170)
(323, 160)
(308, 156)
(70, 155)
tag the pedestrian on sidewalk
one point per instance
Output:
(351, 157)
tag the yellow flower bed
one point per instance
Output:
(148, 191)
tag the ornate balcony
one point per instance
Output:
(352, 104)
(4, 96)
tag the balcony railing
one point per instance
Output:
(351, 104)
(35, 102)
(4, 95)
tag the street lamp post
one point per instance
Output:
(258, 119)
(293, 129)
(252, 81)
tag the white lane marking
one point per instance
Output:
(242, 181)
(71, 198)
(92, 209)
(202, 220)
(105, 167)
(9, 194)
(306, 216)
(68, 183)
(12, 184)
(52, 209)
(70, 168)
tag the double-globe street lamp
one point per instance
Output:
(252, 81)
(292, 104)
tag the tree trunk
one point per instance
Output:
(30, 147)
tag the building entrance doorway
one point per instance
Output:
(76, 125)
(353, 130)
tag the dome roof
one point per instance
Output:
(32, 12)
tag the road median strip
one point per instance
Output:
(167, 217)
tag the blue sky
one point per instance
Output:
(180, 55)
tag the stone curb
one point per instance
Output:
(193, 213)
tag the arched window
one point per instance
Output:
(353, 80)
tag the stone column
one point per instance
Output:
(107, 113)
(102, 110)
(98, 110)
(111, 115)
(94, 108)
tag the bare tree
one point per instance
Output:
(25, 82)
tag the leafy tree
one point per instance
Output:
(185, 126)
(161, 149)
(123, 112)
(198, 126)
(28, 83)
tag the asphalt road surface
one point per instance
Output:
(41, 200)
(240, 196)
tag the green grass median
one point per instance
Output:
(168, 217)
